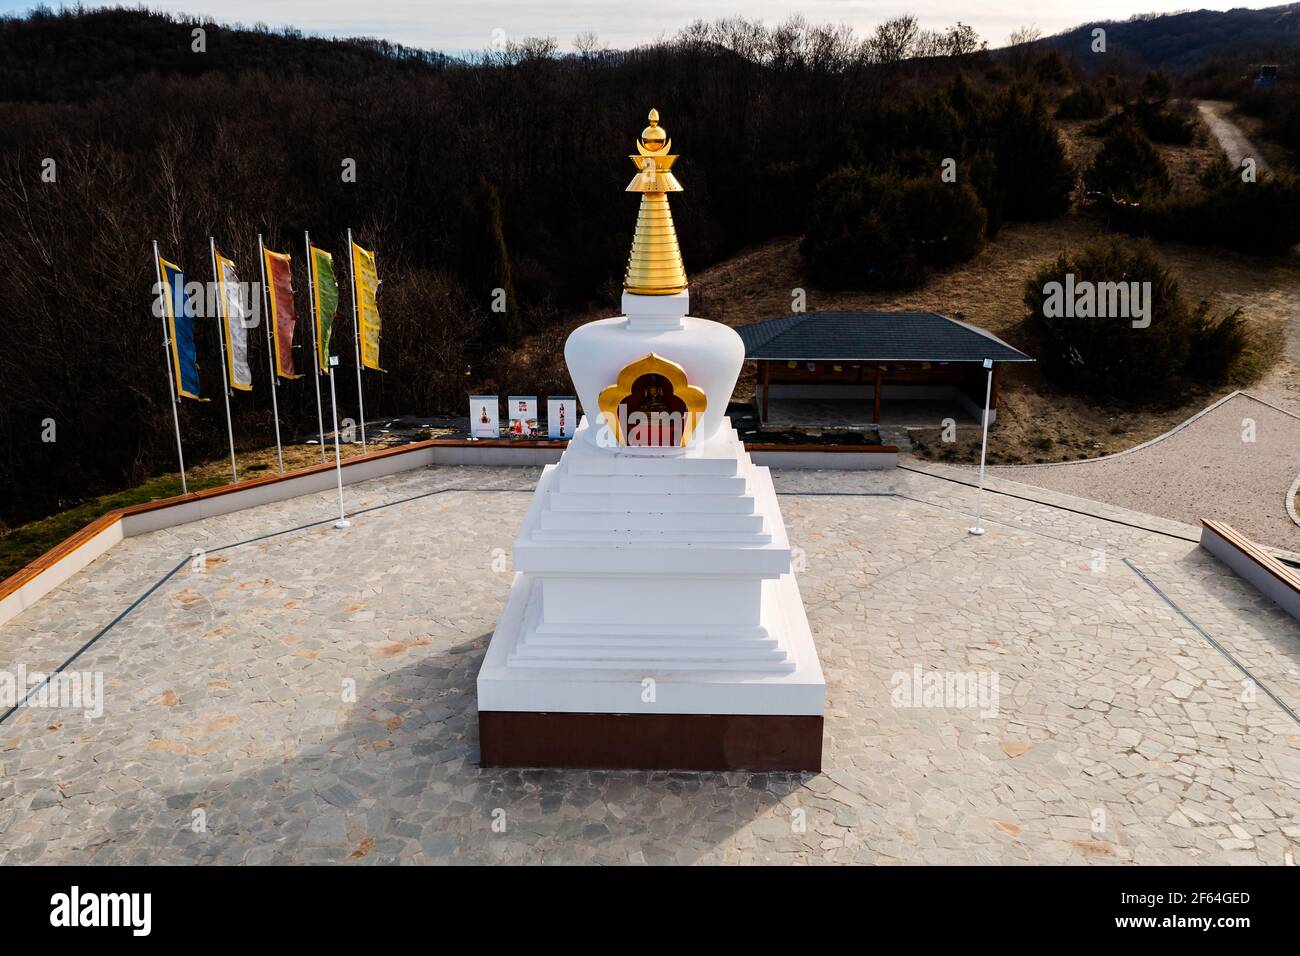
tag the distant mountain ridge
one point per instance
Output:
(1183, 41)
(73, 54)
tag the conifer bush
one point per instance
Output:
(1129, 168)
(1084, 102)
(876, 230)
(854, 237)
(1260, 217)
(1106, 357)
(1033, 172)
(944, 221)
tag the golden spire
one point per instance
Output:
(655, 266)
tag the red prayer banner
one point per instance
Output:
(284, 319)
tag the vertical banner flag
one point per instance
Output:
(366, 279)
(233, 317)
(327, 302)
(283, 318)
(180, 325)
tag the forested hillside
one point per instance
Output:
(1182, 41)
(524, 150)
(506, 171)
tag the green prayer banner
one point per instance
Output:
(325, 293)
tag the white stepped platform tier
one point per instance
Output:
(656, 586)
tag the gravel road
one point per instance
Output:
(1209, 468)
(1230, 137)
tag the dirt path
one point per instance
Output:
(1231, 138)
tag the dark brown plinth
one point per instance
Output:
(650, 741)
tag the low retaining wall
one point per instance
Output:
(27, 586)
(834, 457)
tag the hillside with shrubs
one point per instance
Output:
(898, 159)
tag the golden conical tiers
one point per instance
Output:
(655, 266)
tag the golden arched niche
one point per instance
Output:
(640, 379)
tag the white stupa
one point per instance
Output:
(654, 621)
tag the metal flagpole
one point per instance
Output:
(338, 462)
(356, 337)
(270, 353)
(171, 383)
(221, 345)
(984, 446)
(315, 348)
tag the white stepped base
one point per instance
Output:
(729, 485)
(586, 684)
(623, 503)
(664, 537)
(706, 511)
(586, 632)
(654, 585)
(624, 465)
(665, 646)
(655, 521)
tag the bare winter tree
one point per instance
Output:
(961, 40)
(895, 39)
(1025, 34)
(587, 44)
(928, 43)
(1023, 42)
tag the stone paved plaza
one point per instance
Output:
(1119, 732)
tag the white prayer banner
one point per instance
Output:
(235, 318)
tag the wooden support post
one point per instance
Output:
(875, 411)
(997, 375)
(767, 386)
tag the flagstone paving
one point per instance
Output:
(308, 695)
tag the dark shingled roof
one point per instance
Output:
(874, 336)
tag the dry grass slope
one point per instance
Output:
(1035, 423)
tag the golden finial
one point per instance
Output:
(654, 137)
(655, 266)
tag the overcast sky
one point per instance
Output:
(460, 25)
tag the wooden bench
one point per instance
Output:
(1273, 578)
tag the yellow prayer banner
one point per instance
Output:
(365, 278)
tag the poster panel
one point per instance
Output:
(561, 416)
(484, 417)
(523, 416)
